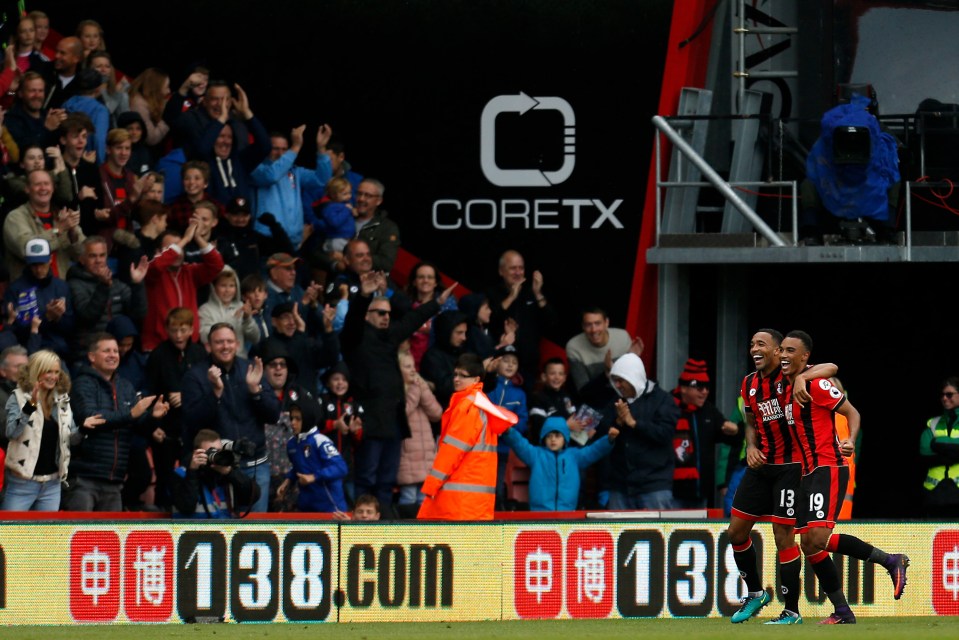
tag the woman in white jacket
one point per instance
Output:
(40, 428)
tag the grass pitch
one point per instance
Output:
(913, 628)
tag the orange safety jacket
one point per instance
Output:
(842, 431)
(462, 483)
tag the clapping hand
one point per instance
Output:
(254, 374)
(160, 408)
(139, 270)
(623, 416)
(215, 376)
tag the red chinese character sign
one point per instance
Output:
(148, 576)
(945, 573)
(538, 574)
(95, 576)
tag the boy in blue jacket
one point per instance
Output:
(317, 466)
(554, 467)
(507, 393)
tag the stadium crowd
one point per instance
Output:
(176, 280)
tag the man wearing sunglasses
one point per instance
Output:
(369, 340)
(939, 452)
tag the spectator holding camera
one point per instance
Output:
(227, 394)
(210, 485)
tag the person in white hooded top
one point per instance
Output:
(639, 474)
(226, 305)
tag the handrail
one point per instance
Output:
(715, 180)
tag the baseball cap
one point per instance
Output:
(508, 350)
(239, 205)
(37, 251)
(280, 309)
(282, 260)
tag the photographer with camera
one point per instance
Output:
(210, 484)
(229, 395)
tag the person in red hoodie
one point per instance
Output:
(171, 283)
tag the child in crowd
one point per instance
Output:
(195, 178)
(335, 215)
(140, 159)
(555, 468)
(156, 192)
(318, 467)
(417, 451)
(367, 509)
(344, 418)
(165, 368)
(253, 292)
(226, 305)
(509, 395)
(207, 217)
(150, 218)
(554, 398)
(478, 337)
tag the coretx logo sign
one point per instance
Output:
(522, 111)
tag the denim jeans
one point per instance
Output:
(261, 476)
(30, 495)
(410, 494)
(654, 500)
(376, 465)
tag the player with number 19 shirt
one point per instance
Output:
(825, 476)
(767, 492)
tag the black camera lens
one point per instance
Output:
(220, 457)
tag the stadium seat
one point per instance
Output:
(517, 484)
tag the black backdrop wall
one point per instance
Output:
(405, 85)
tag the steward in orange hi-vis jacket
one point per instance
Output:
(462, 483)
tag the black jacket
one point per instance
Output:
(376, 380)
(105, 449)
(440, 359)
(235, 414)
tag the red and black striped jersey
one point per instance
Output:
(765, 397)
(814, 424)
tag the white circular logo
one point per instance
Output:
(790, 512)
(752, 392)
(820, 514)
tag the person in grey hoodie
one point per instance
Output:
(639, 474)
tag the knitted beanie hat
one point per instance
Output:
(694, 374)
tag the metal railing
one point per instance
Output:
(713, 179)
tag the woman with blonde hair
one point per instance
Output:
(148, 96)
(417, 451)
(90, 34)
(41, 429)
